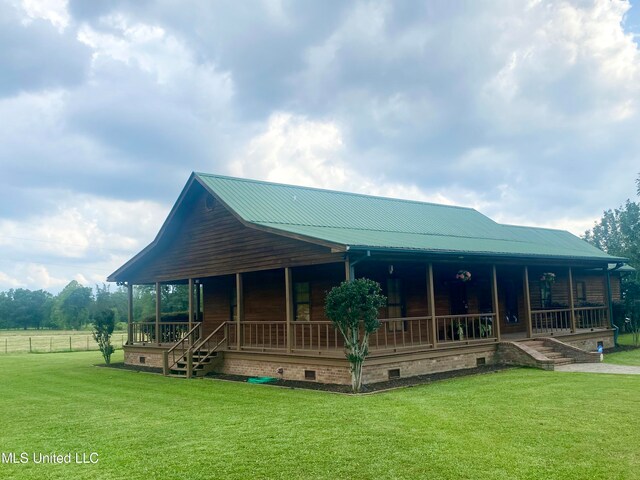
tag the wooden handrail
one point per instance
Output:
(166, 366)
(209, 351)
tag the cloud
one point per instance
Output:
(86, 237)
(527, 111)
(35, 54)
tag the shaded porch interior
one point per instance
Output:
(429, 306)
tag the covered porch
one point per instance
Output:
(430, 306)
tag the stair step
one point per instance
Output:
(545, 349)
(553, 355)
(562, 361)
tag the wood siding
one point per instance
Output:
(202, 242)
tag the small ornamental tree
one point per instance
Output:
(103, 325)
(353, 308)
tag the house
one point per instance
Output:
(462, 290)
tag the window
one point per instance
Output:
(395, 304)
(581, 290)
(302, 301)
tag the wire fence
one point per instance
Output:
(55, 343)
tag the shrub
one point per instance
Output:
(350, 306)
(103, 325)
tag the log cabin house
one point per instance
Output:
(462, 290)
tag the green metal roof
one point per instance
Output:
(366, 222)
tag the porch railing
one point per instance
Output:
(545, 322)
(258, 335)
(170, 332)
(465, 328)
(398, 333)
(317, 336)
(548, 322)
(592, 317)
(176, 352)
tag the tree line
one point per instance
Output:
(618, 233)
(77, 307)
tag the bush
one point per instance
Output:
(350, 306)
(103, 325)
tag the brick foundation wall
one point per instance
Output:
(591, 344)
(374, 372)
(337, 370)
(152, 357)
(261, 367)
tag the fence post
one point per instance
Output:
(70, 344)
(30, 351)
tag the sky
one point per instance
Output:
(524, 110)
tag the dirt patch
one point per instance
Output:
(372, 387)
(331, 387)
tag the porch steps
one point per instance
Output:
(544, 353)
(203, 362)
(550, 352)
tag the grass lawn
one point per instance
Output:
(520, 423)
(629, 357)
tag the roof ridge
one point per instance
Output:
(328, 190)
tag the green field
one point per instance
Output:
(520, 423)
(47, 341)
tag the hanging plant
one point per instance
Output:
(548, 278)
(463, 275)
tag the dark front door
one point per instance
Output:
(458, 299)
(510, 321)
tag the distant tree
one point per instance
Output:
(144, 301)
(28, 308)
(5, 308)
(353, 309)
(618, 233)
(103, 325)
(72, 306)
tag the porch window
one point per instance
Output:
(302, 301)
(581, 291)
(395, 304)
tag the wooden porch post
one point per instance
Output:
(198, 304)
(239, 310)
(527, 302)
(347, 270)
(190, 307)
(432, 307)
(130, 313)
(496, 305)
(158, 313)
(289, 306)
(571, 302)
(607, 281)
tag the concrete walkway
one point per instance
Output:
(598, 368)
